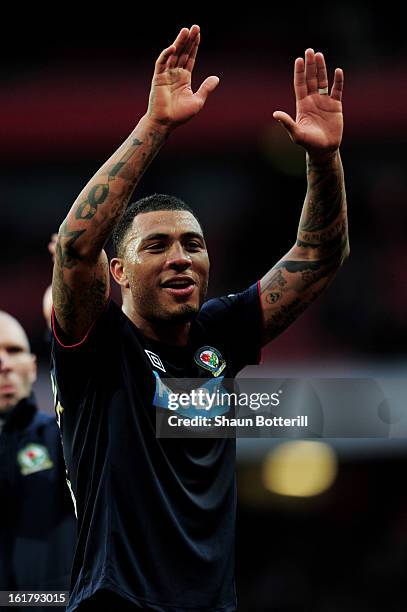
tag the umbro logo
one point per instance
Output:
(155, 360)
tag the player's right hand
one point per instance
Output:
(172, 100)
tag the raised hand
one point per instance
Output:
(172, 100)
(319, 122)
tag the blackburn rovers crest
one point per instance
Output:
(34, 458)
(210, 359)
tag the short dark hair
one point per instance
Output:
(157, 201)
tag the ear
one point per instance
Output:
(33, 372)
(119, 272)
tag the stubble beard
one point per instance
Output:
(151, 309)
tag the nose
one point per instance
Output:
(5, 361)
(178, 259)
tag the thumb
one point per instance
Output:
(209, 85)
(287, 121)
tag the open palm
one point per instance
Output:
(319, 122)
(172, 100)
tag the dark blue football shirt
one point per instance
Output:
(156, 517)
(37, 522)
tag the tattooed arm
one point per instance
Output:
(80, 284)
(322, 239)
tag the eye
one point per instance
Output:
(14, 350)
(156, 246)
(193, 245)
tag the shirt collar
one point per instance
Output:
(20, 415)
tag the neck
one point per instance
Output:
(168, 332)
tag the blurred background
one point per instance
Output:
(74, 87)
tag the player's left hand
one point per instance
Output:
(319, 122)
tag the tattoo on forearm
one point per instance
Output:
(323, 223)
(322, 243)
(325, 196)
(323, 201)
(325, 246)
(99, 193)
(118, 166)
(320, 239)
(114, 194)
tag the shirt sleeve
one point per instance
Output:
(236, 320)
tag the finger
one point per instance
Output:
(191, 60)
(321, 72)
(179, 43)
(337, 87)
(190, 43)
(209, 85)
(311, 71)
(287, 121)
(300, 86)
(163, 58)
(181, 37)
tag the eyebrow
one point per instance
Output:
(12, 345)
(162, 236)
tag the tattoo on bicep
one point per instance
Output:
(66, 254)
(62, 296)
(310, 268)
(282, 317)
(274, 286)
(310, 277)
(82, 305)
(297, 276)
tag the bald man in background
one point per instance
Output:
(37, 522)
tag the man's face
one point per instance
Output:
(17, 364)
(167, 265)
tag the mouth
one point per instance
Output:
(179, 286)
(7, 389)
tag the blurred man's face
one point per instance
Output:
(167, 265)
(17, 364)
